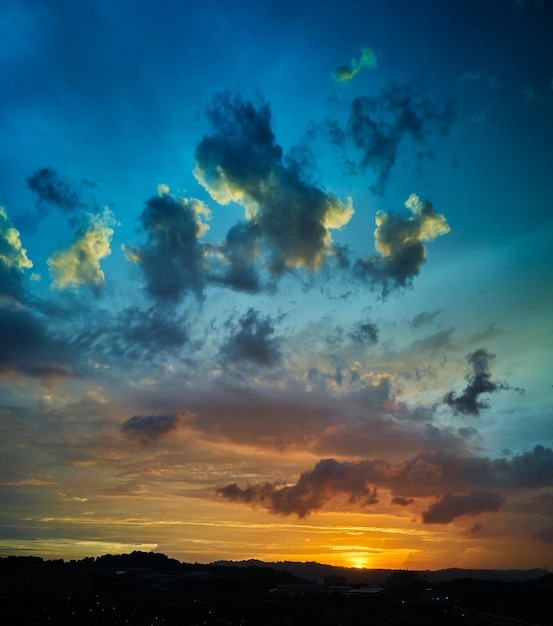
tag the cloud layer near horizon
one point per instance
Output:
(423, 476)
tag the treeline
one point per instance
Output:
(136, 559)
(259, 576)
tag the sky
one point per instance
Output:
(276, 281)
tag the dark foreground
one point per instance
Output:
(33, 592)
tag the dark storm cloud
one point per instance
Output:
(480, 382)
(150, 428)
(313, 489)
(399, 241)
(378, 124)
(172, 259)
(464, 484)
(451, 506)
(242, 162)
(133, 334)
(252, 341)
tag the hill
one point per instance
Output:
(312, 571)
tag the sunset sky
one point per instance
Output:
(276, 280)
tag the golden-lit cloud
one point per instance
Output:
(242, 162)
(398, 238)
(12, 254)
(394, 236)
(80, 263)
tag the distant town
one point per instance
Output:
(151, 589)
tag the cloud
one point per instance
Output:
(472, 76)
(313, 489)
(28, 349)
(345, 73)
(402, 501)
(328, 480)
(377, 126)
(451, 506)
(252, 341)
(13, 258)
(480, 382)
(80, 263)
(241, 162)
(335, 411)
(438, 342)
(172, 259)
(464, 483)
(488, 333)
(133, 334)
(399, 241)
(365, 333)
(150, 428)
(238, 253)
(49, 189)
(425, 318)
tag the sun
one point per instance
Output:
(358, 561)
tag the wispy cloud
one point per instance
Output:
(344, 73)
(378, 125)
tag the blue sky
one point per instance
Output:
(275, 280)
